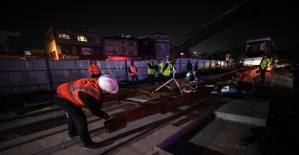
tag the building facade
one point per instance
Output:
(121, 48)
(162, 45)
(10, 43)
(146, 48)
(68, 43)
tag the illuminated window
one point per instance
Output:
(82, 38)
(64, 36)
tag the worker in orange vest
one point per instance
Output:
(133, 73)
(244, 81)
(86, 93)
(94, 70)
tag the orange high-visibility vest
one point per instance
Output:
(244, 76)
(133, 70)
(94, 69)
(70, 90)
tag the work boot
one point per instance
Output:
(72, 136)
(92, 145)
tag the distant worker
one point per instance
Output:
(167, 70)
(295, 76)
(151, 71)
(133, 74)
(243, 82)
(160, 71)
(84, 93)
(189, 66)
(217, 66)
(190, 76)
(94, 70)
(195, 67)
(265, 63)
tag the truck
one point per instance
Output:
(254, 49)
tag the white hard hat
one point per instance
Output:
(108, 83)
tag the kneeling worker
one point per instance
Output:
(243, 82)
(84, 93)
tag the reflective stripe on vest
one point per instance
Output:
(149, 70)
(161, 65)
(133, 70)
(87, 89)
(167, 70)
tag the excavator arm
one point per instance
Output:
(221, 22)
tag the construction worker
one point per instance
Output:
(265, 63)
(87, 93)
(189, 66)
(94, 70)
(151, 71)
(133, 73)
(160, 71)
(217, 66)
(190, 76)
(295, 76)
(243, 81)
(167, 70)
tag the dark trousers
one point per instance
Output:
(77, 123)
(95, 75)
(137, 80)
(263, 72)
(161, 78)
(245, 86)
(151, 79)
(166, 78)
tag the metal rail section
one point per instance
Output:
(120, 120)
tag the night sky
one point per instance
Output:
(139, 18)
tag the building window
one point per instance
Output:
(97, 51)
(123, 50)
(131, 44)
(122, 42)
(63, 50)
(159, 47)
(157, 37)
(110, 49)
(63, 36)
(70, 50)
(82, 38)
(166, 46)
(131, 53)
(73, 37)
(78, 50)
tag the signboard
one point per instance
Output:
(86, 51)
(69, 57)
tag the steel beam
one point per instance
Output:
(150, 109)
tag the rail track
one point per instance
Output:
(131, 105)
